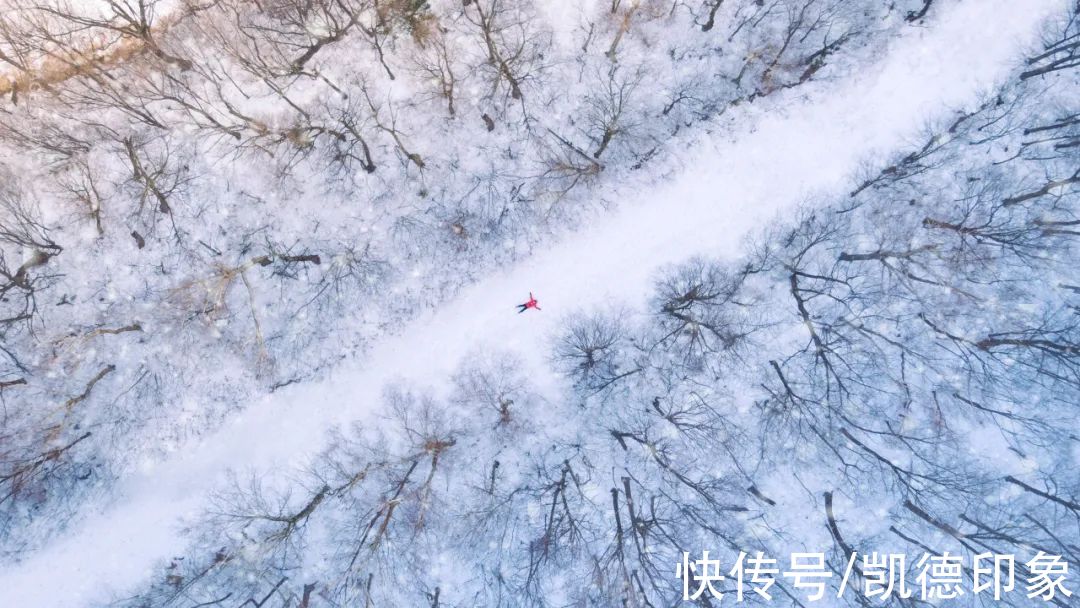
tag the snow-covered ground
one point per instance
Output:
(761, 160)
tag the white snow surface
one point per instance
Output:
(729, 184)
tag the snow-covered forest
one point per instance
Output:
(806, 270)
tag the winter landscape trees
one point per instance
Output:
(892, 370)
(207, 201)
(232, 177)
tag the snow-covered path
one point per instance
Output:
(728, 187)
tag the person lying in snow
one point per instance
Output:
(532, 303)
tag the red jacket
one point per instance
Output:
(532, 303)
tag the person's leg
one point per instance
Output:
(521, 308)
